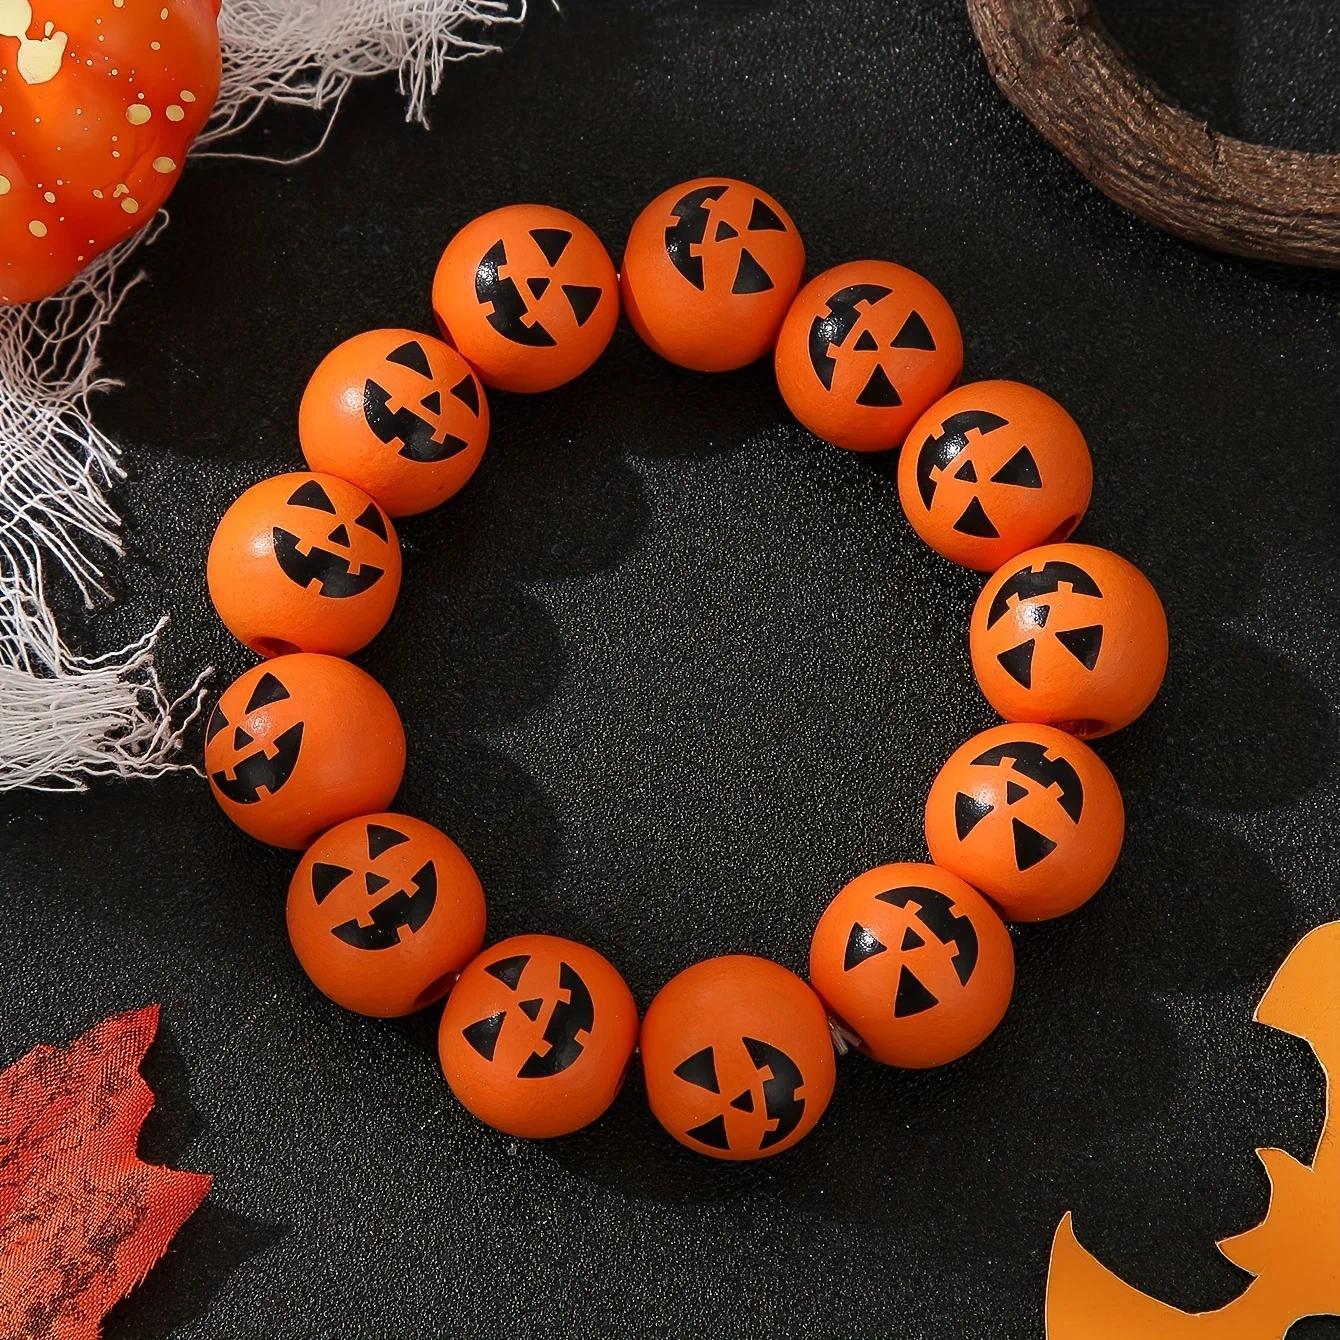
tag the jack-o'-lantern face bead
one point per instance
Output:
(914, 964)
(383, 912)
(710, 268)
(992, 469)
(1070, 636)
(304, 562)
(865, 349)
(301, 743)
(738, 1058)
(1030, 816)
(537, 1036)
(397, 413)
(528, 296)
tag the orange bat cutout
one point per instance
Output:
(1294, 1252)
(82, 1219)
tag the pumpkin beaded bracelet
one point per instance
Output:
(910, 962)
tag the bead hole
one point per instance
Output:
(1063, 531)
(1085, 728)
(272, 646)
(435, 989)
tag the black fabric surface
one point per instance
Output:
(672, 672)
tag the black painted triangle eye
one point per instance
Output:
(861, 945)
(553, 242)
(1017, 662)
(1030, 846)
(763, 218)
(326, 878)
(750, 276)
(582, 298)
(1021, 470)
(879, 391)
(268, 690)
(370, 518)
(969, 811)
(482, 1035)
(1083, 644)
(975, 521)
(382, 839)
(311, 494)
(711, 1133)
(217, 722)
(915, 334)
(912, 997)
(700, 1069)
(412, 356)
(508, 970)
(467, 393)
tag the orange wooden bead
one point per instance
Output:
(537, 1036)
(300, 743)
(304, 562)
(1029, 815)
(383, 912)
(914, 963)
(397, 413)
(710, 268)
(738, 1058)
(528, 295)
(992, 469)
(865, 349)
(1071, 636)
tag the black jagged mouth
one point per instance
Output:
(412, 431)
(261, 772)
(333, 575)
(402, 908)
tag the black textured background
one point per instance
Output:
(672, 672)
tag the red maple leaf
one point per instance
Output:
(82, 1218)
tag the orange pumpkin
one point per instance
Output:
(383, 912)
(304, 562)
(738, 1058)
(301, 743)
(98, 107)
(537, 1036)
(914, 962)
(865, 350)
(710, 268)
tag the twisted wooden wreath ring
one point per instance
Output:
(1056, 62)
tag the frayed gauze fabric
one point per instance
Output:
(66, 718)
